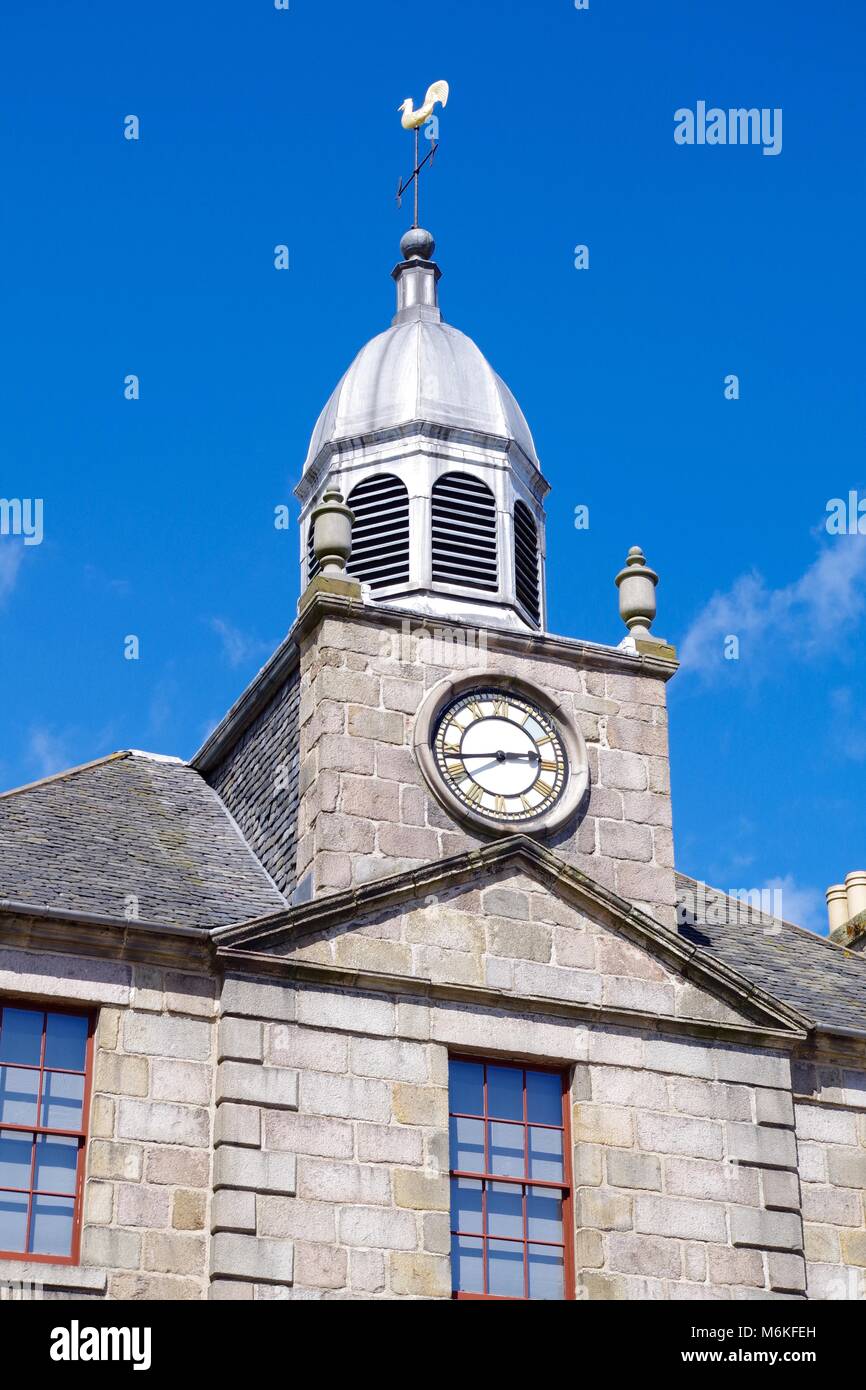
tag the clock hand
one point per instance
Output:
(500, 756)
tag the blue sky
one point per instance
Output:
(261, 127)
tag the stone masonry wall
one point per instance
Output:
(366, 811)
(332, 1174)
(512, 935)
(149, 1160)
(148, 1165)
(330, 1152)
(831, 1130)
(686, 1171)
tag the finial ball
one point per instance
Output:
(416, 244)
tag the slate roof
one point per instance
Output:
(131, 823)
(825, 982)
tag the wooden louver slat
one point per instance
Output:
(526, 561)
(464, 533)
(380, 533)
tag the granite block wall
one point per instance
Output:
(830, 1097)
(366, 811)
(148, 1163)
(331, 1173)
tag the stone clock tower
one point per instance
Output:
(436, 711)
(385, 994)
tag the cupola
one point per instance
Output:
(437, 463)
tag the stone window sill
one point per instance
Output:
(78, 1278)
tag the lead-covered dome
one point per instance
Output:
(420, 369)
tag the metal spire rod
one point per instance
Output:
(414, 177)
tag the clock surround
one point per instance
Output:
(532, 776)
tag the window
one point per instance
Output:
(526, 561)
(510, 1182)
(464, 533)
(45, 1068)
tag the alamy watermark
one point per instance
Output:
(77, 1343)
(737, 126)
(22, 516)
(846, 516)
(701, 904)
(455, 648)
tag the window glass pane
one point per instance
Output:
(66, 1041)
(466, 1205)
(467, 1270)
(13, 1221)
(544, 1097)
(16, 1153)
(506, 1150)
(505, 1209)
(51, 1226)
(21, 1036)
(19, 1088)
(466, 1085)
(62, 1098)
(467, 1145)
(505, 1093)
(505, 1269)
(545, 1154)
(56, 1162)
(546, 1272)
(543, 1214)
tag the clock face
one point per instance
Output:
(501, 755)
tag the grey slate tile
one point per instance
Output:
(807, 971)
(131, 825)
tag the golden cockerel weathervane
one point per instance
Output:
(437, 93)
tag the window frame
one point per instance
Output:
(566, 1187)
(82, 1134)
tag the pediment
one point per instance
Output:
(513, 920)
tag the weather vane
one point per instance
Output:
(413, 120)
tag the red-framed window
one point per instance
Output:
(46, 1058)
(511, 1188)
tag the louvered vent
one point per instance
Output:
(464, 533)
(526, 560)
(380, 532)
(313, 565)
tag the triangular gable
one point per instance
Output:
(514, 919)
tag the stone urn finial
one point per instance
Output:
(332, 534)
(637, 595)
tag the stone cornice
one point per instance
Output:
(334, 909)
(413, 987)
(330, 457)
(36, 928)
(544, 645)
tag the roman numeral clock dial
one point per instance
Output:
(500, 755)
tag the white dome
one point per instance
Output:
(422, 370)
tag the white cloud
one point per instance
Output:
(47, 752)
(11, 555)
(800, 904)
(807, 617)
(239, 647)
(848, 731)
